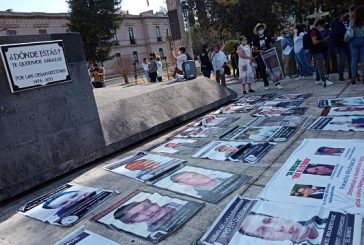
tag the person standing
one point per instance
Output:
(245, 66)
(234, 57)
(218, 62)
(206, 66)
(145, 65)
(300, 53)
(160, 69)
(261, 43)
(180, 59)
(357, 42)
(318, 52)
(152, 67)
(288, 54)
(98, 75)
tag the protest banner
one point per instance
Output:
(343, 111)
(212, 120)
(234, 151)
(285, 97)
(273, 65)
(81, 236)
(268, 111)
(321, 172)
(180, 146)
(200, 132)
(271, 133)
(283, 103)
(345, 123)
(66, 205)
(150, 216)
(252, 221)
(338, 102)
(144, 166)
(294, 121)
(205, 184)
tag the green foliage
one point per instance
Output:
(96, 21)
(229, 46)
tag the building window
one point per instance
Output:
(131, 35)
(136, 58)
(161, 53)
(158, 32)
(115, 38)
(10, 32)
(42, 31)
(167, 32)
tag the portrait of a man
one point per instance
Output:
(330, 151)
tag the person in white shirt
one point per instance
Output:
(145, 65)
(159, 70)
(300, 53)
(218, 62)
(180, 59)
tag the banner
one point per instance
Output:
(338, 102)
(272, 133)
(284, 97)
(212, 120)
(278, 111)
(293, 121)
(180, 146)
(82, 236)
(66, 205)
(234, 151)
(144, 166)
(272, 64)
(200, 132)
(282, 103)
(148, 215)
(205, 184)
(321, 172)
(349, 123)
(343, 111)
(252, 222)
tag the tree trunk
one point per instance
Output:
(126, 79)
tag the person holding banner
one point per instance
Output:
(261, 43)
(245, 66)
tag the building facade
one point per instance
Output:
(137, 36)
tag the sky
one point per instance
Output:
(59, 6)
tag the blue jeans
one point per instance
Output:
(357, 51)
(320, 67)
(344, 53)
(303, 63)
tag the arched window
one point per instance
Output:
(158, 32)
(131, 35)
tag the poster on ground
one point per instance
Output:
(343, 111)
(338, 102)
(283, 103)
(252, 221)
(81, 236)
(144, 166)
(348, 123)
(293, 121)
(273, 65)
(321, 172)
(179, 146)
(205, 184)
(271, 133)
(214, 121)
(148, 215)
(200, 132)
(66, 205)
(268, 111)
(234, 109)
(254, 99)
(234, 151)
(284, 97)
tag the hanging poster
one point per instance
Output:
(348, 123)
(343, 111)
(294, 121)
(273, 65)
(180, 146)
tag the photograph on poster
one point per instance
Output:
(179, 146)
(338, 102)
(293, 121)
(200, 132)
(285, 97)
(212, 120)
(233, 109)
(254, 99)
(266, 111)
(274, 68)
(343, 111)
(283, 103)
(343, 123)
(309, 191)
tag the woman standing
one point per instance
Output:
(218, 62)
(300, 53)
(357, 42)
(160, 69)
(245, 66)
(206, 66)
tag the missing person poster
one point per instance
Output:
(234, 151)
(66, 205)
(205, 184)
(179, 146)
(144, 166)
(251, 221)
(254, 99)
(284, 97)
(214, 121)
(148, 215)
(272, 64)
(348, 123)
(200, 132)
(268, 111)
(321, 172)
(339, 102)
(82, 236)
(283, 104)
(271, 133)
(343, 111)
(293, 121)
(233, 109)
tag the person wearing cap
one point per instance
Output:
(261, 43)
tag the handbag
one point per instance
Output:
(349, 34)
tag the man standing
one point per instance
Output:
(152, 67)
(261, 43)
(218, 63)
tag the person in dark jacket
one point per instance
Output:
(206, 66)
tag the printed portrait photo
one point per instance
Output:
(308, 191)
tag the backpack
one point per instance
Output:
(307, 41)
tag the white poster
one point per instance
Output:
(338, 102)
(293, 121)
(181, 146)
(283, 97)
(343, 111)
(348, 123)
(212, 120)
(321, 172)
(200, 132)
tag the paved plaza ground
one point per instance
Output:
(18, 229)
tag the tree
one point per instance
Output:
(96, 21)
(123, 65)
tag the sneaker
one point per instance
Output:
(244, 92)
(319, 82)
(251, 91)
(328, 83)
(298, 78)
(266, 88)
(279, 86)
